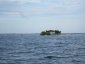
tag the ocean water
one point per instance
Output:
(36, 49)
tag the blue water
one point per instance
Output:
(36, 49)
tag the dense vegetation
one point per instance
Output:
(50, 32)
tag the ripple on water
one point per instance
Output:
(36, 49)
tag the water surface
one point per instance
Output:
(36, 49)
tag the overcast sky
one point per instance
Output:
(33, 16)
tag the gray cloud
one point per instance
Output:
(51, 6)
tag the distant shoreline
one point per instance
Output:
(39, 33)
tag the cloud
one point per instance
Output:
(45, 13)
(28, 7)
(56, 7)
(21, 1)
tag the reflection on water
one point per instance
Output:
(36, 49)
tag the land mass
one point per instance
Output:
(50, 32)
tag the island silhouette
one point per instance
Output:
(50, 32)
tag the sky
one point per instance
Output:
(34, 16)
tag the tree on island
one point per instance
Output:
(50, 32)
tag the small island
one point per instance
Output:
(50, 32)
